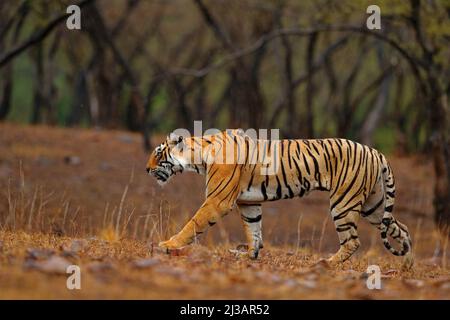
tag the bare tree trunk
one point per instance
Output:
(38, 95)
(6, 92)
(441, 156)
(374, 115)
(246, 100)
(439, 122)
(81, 101)
(293, 122)
(310, 87)
(7, 86)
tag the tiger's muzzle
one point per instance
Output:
(163, 172)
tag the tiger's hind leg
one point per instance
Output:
(373, 208)
(251, 216)
(346, 220)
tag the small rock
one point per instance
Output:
(78, 245)
(171, 271)
(105, 166)
(39, 254)
(125, 138)
(352, 274)
(69, 254)
(98, 266)
(274, 278)
(414, 283)
(72, 160)
(308, 283)
(291, 283)
(53, 265)
(146, 263)
(44, 161)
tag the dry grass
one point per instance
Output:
(83, 195)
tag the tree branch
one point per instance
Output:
(38, 36)
(413, 61)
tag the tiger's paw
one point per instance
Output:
(244, 249)
(171, 245)
(332, 261)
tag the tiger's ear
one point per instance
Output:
(174, 139)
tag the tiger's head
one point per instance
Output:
(167, 159)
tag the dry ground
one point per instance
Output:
(72, 196)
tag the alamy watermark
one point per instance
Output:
(374, 277)
(235, 147)
(374, 20)
(73, 281)
(73, 22)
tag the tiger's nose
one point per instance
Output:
(148, 170)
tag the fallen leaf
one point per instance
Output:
(389, 274)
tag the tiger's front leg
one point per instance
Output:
(251, 216)
(222, 191)
(206, 216)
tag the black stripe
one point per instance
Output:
(349, 186)
(278, 188)
(228, 182)
(263, 191)
(251, 181)
(289, 155)
(212, 175)
(306, 164)
(372, 210)
(348, 239)
(291, 194)
(343, 214)
(251, 219)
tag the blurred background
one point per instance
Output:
(81, 109)
(311, 68)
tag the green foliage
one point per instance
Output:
(22, 96)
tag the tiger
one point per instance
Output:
(358, 178)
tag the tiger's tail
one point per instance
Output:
(389, 225)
